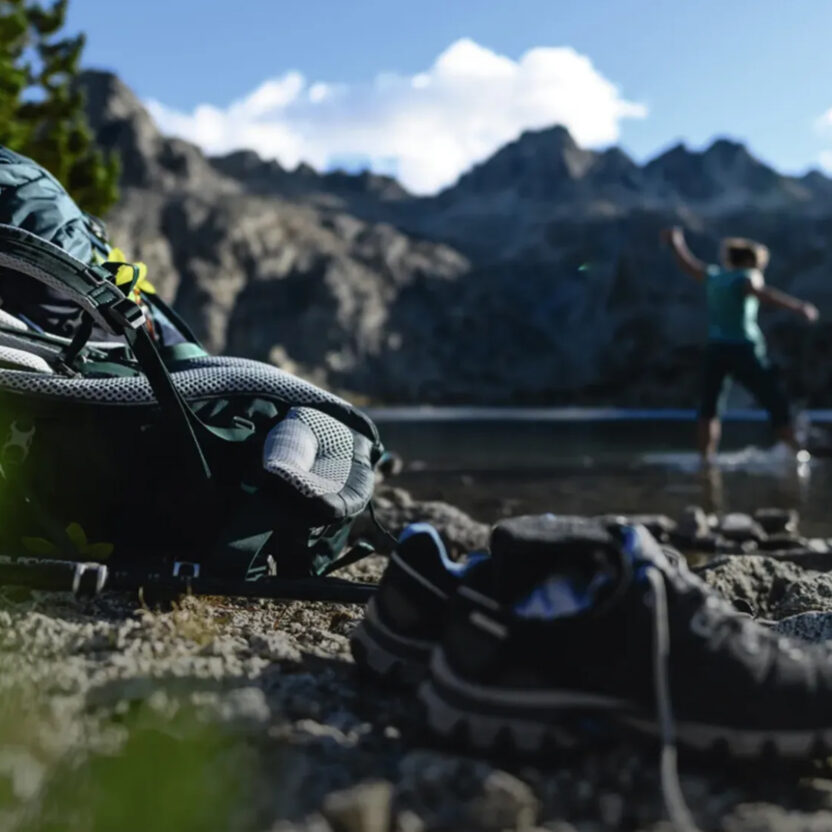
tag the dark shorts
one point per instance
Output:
(742, 363)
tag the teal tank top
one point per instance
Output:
(732, 312)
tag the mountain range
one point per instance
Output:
(536, 278)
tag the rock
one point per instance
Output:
(396, 509)
(659, 525)
(312, 823)
(486, 798)
(771, 588)
(812, 592)
(504, 803)
(24, 773)
(362, 808)
(148, 159)
(782, 542)
(276, 646)
(759, 817)
(819, 561)
(740, 528)
(693, 524)
(713, 544)
(390, 465)
(245, 705)
(777, 521)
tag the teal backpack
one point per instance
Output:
(122, 447)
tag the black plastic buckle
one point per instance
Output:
(125, 314)
(185, 569)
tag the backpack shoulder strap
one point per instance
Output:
(91, 287)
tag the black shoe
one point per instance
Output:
(622, 642)
(406, 618)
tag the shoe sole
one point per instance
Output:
(493, 719)
(483, 720)
(386, 655)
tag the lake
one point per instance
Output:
(498, 462)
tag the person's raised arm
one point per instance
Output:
(781, 300)
(687, 261)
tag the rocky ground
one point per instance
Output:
(221, 714)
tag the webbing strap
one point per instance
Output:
(154, 301)
(88, 286)
(79, 340)
(168, 396)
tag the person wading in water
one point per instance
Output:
(736, 347)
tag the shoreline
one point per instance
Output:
(486, 413)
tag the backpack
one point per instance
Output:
(155, 455)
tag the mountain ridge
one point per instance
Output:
(537, 278)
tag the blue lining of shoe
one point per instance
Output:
(560, 597)
(453, 567)
(633, 550)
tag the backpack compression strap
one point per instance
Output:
(91, 288)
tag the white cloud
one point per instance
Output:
(434, 124)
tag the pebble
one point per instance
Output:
(777, 520)
(365, 807)
(693, 524)
(740, 528)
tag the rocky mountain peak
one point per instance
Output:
(539, 163)
(247, 167)
(724, 170)
(729, 151)
(110, 100)
(268, 176)
(121, 123)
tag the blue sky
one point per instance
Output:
(757, 70)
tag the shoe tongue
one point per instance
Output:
(569, 551)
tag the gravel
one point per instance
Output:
(250, 715)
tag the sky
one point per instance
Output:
(423, 90)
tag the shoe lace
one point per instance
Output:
(716, 617)
(674, 799)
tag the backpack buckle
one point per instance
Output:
(125, 314)
(89, 579)
(18, 442)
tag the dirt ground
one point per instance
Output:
(251, 716)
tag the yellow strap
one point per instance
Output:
(125, 273)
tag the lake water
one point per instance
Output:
(495, 463)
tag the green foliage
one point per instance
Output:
(41, 108)
(153, 772)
